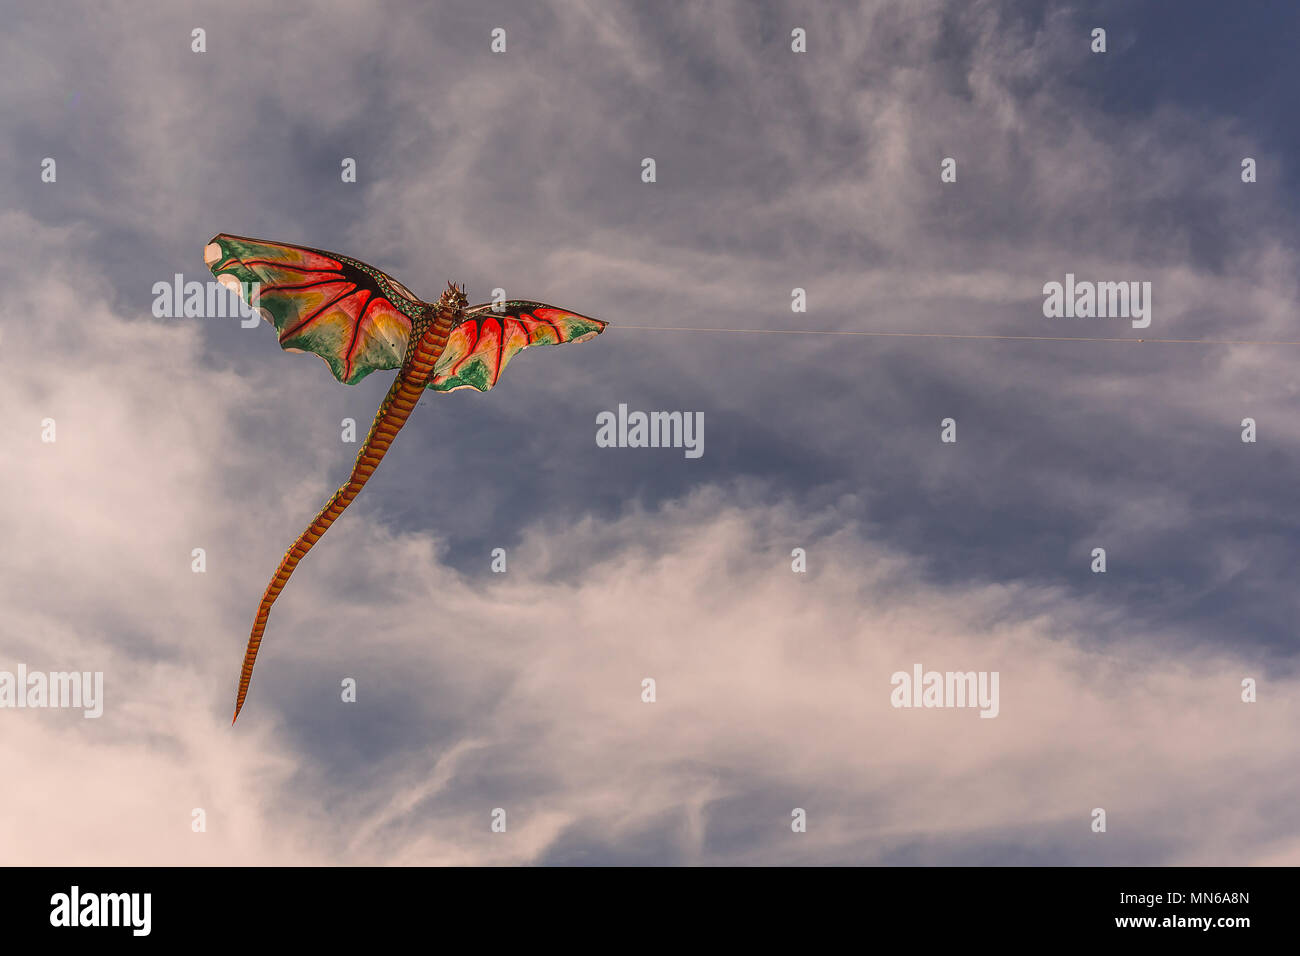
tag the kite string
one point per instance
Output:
(953, 335)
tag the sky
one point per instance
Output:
(483, 697)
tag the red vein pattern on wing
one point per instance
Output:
(486, 340)
(355, 317)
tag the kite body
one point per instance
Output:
(360, 320)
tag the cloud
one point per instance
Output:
(523, 690)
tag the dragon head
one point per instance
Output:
(453, 298)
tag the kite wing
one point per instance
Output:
(353, 316)
(490, 336)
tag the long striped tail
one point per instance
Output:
(392, 415)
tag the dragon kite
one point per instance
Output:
(360, 320)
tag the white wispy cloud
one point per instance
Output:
(773, 687)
